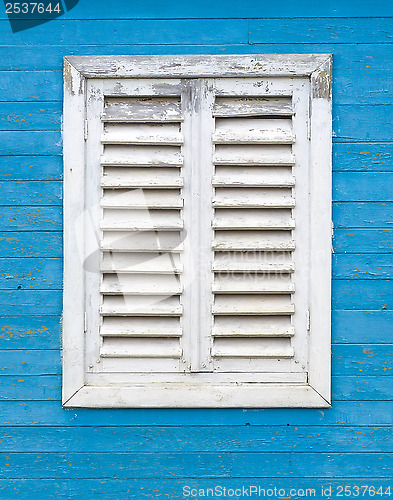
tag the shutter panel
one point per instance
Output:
(198, 197)
(254, 225)
(141, 233)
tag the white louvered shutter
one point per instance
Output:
(198, 239)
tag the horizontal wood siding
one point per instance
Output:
(59, 453)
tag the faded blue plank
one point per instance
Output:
(30, 143)
(321, 31)
(25, 388)
(196, 439)
(372, 359)
(50, 413)
(365, 215)
(355, 388)
(362, 294)
(135, 32)
(348, 359)
(29, 332)
(29, 274)
(31, 244)
(30, 302)
(31, 86)
(362, 186)
(371, 157)
(362, 123)
(31, 193)
(360, 266)
(50, 57)
(121, 465)
(155, 9)
(19, 218)
(30, 115)
(37, 362)
(369, 241)
(40, 465)
(365, 327)
(333, 465)
(31, 168)
(344, 388)
(176, 489)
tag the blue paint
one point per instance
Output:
(150, 452)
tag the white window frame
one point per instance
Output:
(316, 392)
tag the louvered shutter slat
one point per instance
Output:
(253, 241)
(141, 224)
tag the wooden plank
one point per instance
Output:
(30, 116)
(362, 326)
(141, 348)
(29, 332)
(162, 178)
(323, 31)
(50, 413)
(251, 106)
(362, 294)
(30, 168)
(352, 388)
(153, 263)
(369, 157)
(140, 284)
(127, 465)
(31, 193)
(334, 465)
(31, 244)
(248, 219)
(234, 10)
(370, 359)
(31, 387)
(269, 305)
(362, 186)
(36, 362)
(230, 283)
(252, 326)
(253, 198)
(73, 488)
(346, 123)
(141, 327)
(141, 306)
(359, 266)
(226, 438)
(31, 302)
(31, 218)
(30, 143)
(253, 240)
(254, 177)
(250, 348)
(142, 242)
(136, 198)
(142, 156)
(364, 215)
(32, 86)
(17, 274)
(142, 134)
(253, 155)
(368, 241)
(142, 110)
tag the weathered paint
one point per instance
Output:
(143, 449)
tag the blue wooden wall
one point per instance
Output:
(50, 452)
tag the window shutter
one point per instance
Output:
(197, 231)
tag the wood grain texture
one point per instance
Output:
(226, 438)
(150, 488)
(30, 168)
(363, 214)
(31, 218)
(50, 413)
(367, 327)
(26, 332)
(360, 266)
(28, 274)
(367, 241)
(31, 193)
(204, 9)
(362, 294)
(31, 244)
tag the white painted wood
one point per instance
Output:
(197, 66)
(253, 131)
(251, 106)
(74, 181)
(256, 343)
